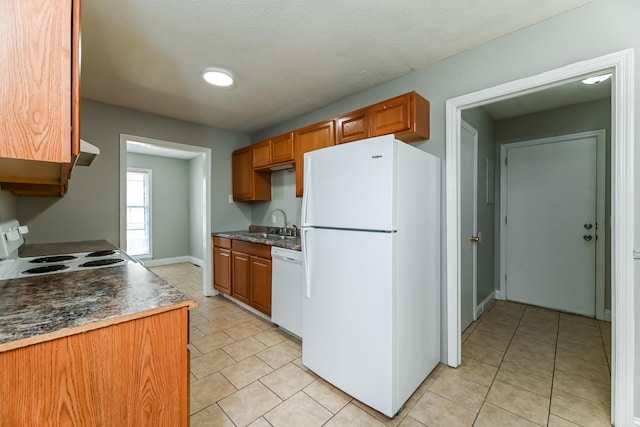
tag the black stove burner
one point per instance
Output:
(45, 269)
(101, 262)
(50, 259)
(101, 253)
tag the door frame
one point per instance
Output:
(621, 64)
(501, 293)
(205, 153)
(474, 133)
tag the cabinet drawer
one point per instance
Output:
(223, 242)
(256, 249)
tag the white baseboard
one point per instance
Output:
(246, 307)
(480, 308)
(607, 315)
(636, 421)
(175, 260)
(498, 295)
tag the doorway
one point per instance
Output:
(468, 224)
(554, 231)
(620, 64)
(195, 189)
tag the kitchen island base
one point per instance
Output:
(133, 373)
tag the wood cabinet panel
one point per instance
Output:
(222, 269)
(133, 373)
(261, 284)
(39, 96)
(248, 185)
(406, 116)
(352, 127)
(261, 154)
(222, 242)
(241, 276)
(282, 148)
(311, 138)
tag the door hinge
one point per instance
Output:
(505, 219)
(505, 278)
(505, 161)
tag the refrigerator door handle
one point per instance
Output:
(305, 254)
(305, 194)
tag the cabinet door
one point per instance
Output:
(390, 116)
(247, 183)
(241, 289)
(282, 148)
(261, 154)
(311, 138)
(352, 127)
(406, 116)
(222, 269)
(261, 284)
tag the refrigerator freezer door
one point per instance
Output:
(348, 313)
(351, 185)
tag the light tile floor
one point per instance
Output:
(522, 366)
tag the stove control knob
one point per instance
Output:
(23, 229)
(12, 235)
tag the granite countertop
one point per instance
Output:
(42, 308)
(293, 243)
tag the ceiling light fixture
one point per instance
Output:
(596, 79)
(218, 77)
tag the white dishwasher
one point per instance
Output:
(287, 289)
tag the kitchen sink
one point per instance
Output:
(271, 236)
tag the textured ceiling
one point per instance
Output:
(289, 56)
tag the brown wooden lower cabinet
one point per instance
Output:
(134, 373)
(222, 269)
(243, 270)
(241, 278)
(261, 284)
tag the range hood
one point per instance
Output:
(88, 152)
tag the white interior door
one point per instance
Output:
(468, 223)
(551, 224)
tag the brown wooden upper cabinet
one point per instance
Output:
(248, 184)
(353, 126)
(406, 116)
(40, 139)
(274, 152)
(311, 138)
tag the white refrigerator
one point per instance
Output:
(371, 244)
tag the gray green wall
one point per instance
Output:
(170, 204)
(90, 210)
(8, 206)
(595, 29)
(283, 196)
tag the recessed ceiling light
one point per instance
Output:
(596, 79)
(218, 77)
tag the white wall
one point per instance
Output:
(197, 207)
(598, 28)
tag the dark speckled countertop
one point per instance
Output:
(293, 244)
(41, 308)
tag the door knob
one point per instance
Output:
(474, 239)
(588, 226)
(587, 237)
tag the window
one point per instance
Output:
(139, 212)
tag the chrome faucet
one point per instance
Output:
(284, 215)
